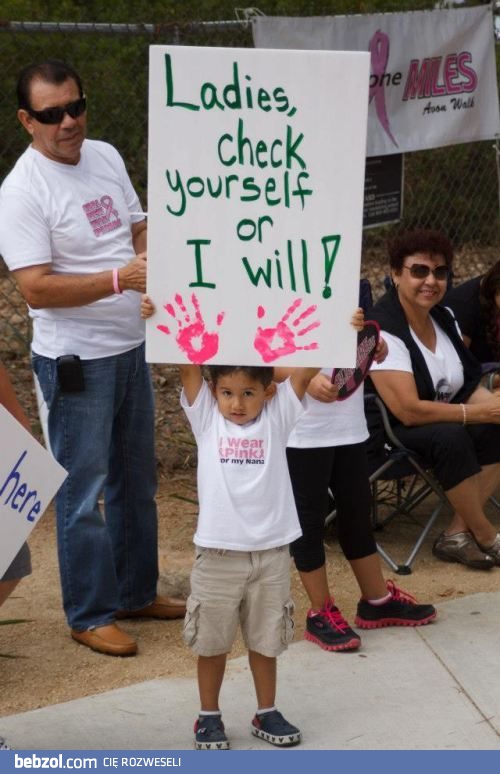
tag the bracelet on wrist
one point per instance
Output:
(464, 413)
(116, 284)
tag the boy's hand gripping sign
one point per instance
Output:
(255, 197)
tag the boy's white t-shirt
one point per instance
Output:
(340, 423)
(245, 494)
(445, 366)
(77, 218)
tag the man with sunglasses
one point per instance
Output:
(73, 234)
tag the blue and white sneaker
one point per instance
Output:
(209, 733)
(273, 728)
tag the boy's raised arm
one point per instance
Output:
(300, 378)
(191, 376)
(192, 379)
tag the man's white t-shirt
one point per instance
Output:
(77, 218)
(330, 424)
(444, 364)
(244, 489)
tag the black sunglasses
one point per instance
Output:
(421, 271)
(54, 115)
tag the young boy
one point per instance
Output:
(247, 518)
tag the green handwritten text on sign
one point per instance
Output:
(255, 192)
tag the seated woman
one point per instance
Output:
(476, 305)
(430, 382)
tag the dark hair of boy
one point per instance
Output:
(262, 374)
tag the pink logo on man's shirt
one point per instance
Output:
(101, 215)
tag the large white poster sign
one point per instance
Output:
(29, 478)
(255, 203)
(433, 76)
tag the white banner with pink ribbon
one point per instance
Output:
(433, 76)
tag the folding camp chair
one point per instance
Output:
(400, 481)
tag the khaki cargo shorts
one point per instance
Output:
(250, 588)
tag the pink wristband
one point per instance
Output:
(116, 286)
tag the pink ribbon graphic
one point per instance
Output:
(379, 50)
(107, 203)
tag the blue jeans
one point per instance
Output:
(104, 437)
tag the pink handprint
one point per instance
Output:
(272, 343)
(192, 336)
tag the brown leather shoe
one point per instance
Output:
(162, 607)
(109, 639)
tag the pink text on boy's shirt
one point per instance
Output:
(231, 448)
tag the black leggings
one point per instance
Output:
(344, 470)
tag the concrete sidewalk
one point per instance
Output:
(436, 687)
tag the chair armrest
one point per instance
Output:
(387, 425)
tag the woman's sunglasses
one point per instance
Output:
(421, 271)
(54, 115)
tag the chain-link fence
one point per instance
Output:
(454, 189)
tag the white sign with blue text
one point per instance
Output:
(29, 479)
